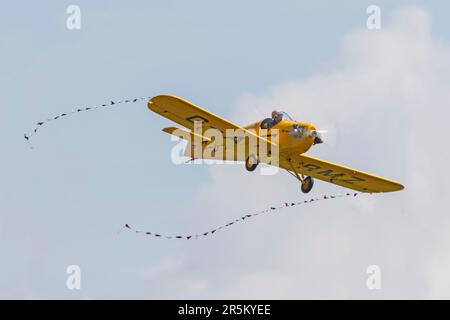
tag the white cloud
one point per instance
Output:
(385, 105)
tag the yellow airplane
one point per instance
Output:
(293, 139)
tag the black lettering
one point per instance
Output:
(193, 119)
(354, 179)
(309, 166)
(330, 173)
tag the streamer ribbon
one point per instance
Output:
(245, 217)
(112, 103)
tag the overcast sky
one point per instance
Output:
(382, 95)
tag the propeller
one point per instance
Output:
(317, 135)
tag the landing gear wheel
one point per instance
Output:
(251, 163)
(307, 184)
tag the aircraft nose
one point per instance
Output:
(315, 134)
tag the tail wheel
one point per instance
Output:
(251, 163)
(307, 184)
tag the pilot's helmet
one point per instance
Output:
(277, 115)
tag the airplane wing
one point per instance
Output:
(337, 174)
(186, 114)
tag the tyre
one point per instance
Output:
(251, 163)
(307, 184)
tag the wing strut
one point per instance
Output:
(295, 174)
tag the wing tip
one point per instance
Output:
(399, 186)
(393, 187)
(156, 103)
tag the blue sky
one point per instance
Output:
(63, 202)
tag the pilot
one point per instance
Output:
(277, 116)
(268, 123)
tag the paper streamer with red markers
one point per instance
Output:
(243, 218)
(39, 124)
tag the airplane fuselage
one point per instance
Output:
(285, 136)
